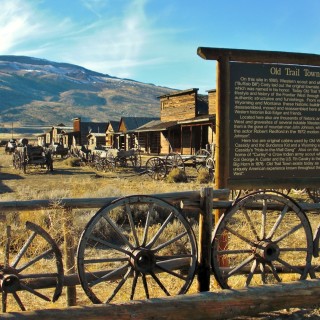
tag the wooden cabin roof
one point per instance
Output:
(157, 125)
(132, 123)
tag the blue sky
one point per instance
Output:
(155, 41)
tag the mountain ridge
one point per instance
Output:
(37, 91)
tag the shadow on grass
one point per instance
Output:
(8, 176)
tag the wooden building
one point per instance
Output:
(195, 126)
(96, 140)
(149, 135)
(81, 129)
(111, 130)
(126, 137)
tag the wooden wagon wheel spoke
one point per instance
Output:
(160, 284)
(290, 267)
(134, 285)
(251, 225)
(240, 236)
(273, 230)
(288, 233)
(240, 266)
(145, 285)
(175, 274)
(119, 286)
(263, 220)
(160, 231)
(19, 302)
(35, 259)
(109, 244)
(132, 226)
(167, 243)
(34, 292)
(274, 272)
(118, 231)
(23, 249)
(252, 271)
(109, 275)
(278, 222)
(155, 241)
(146, 227)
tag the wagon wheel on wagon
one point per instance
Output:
(174, 160)
(36, 270)
(201, 157)
(210, 166)
(16, 160)
(136, 161)
(136, 247)
(156, 168)
(263, 238)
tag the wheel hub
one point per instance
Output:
(143, 261)
(267, 251)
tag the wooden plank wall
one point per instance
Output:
(178, 107)
(212, 101)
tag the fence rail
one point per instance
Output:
(224, 304)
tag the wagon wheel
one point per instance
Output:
(23, 162)
(254, 246)
(136, 247)
(136, 161)
(38, 261)
(107, 165)
(200, 158)
(156, 168)
(174, 160)
(16, 160)
(210, 165)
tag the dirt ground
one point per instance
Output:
(37, 185)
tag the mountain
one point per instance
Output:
(41, 92)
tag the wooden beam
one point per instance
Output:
(224, 304)
(258, 56)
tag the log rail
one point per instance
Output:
(225, 304)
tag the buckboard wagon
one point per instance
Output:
(26, 155)
(159, 166)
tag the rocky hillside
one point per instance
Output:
(41, 92)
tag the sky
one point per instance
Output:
(155, 41)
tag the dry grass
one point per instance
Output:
(68, 181)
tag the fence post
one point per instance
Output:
(69, 254)
(205, 232)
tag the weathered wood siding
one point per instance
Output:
(178, 107)
(212, 101)
(149, 142)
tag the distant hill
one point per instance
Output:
(41, 92)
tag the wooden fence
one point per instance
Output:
(204, 305)
(201, 201)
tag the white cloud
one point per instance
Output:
(117, 40)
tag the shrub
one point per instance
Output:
(72, 162)
(177, 175)
(203, 176)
